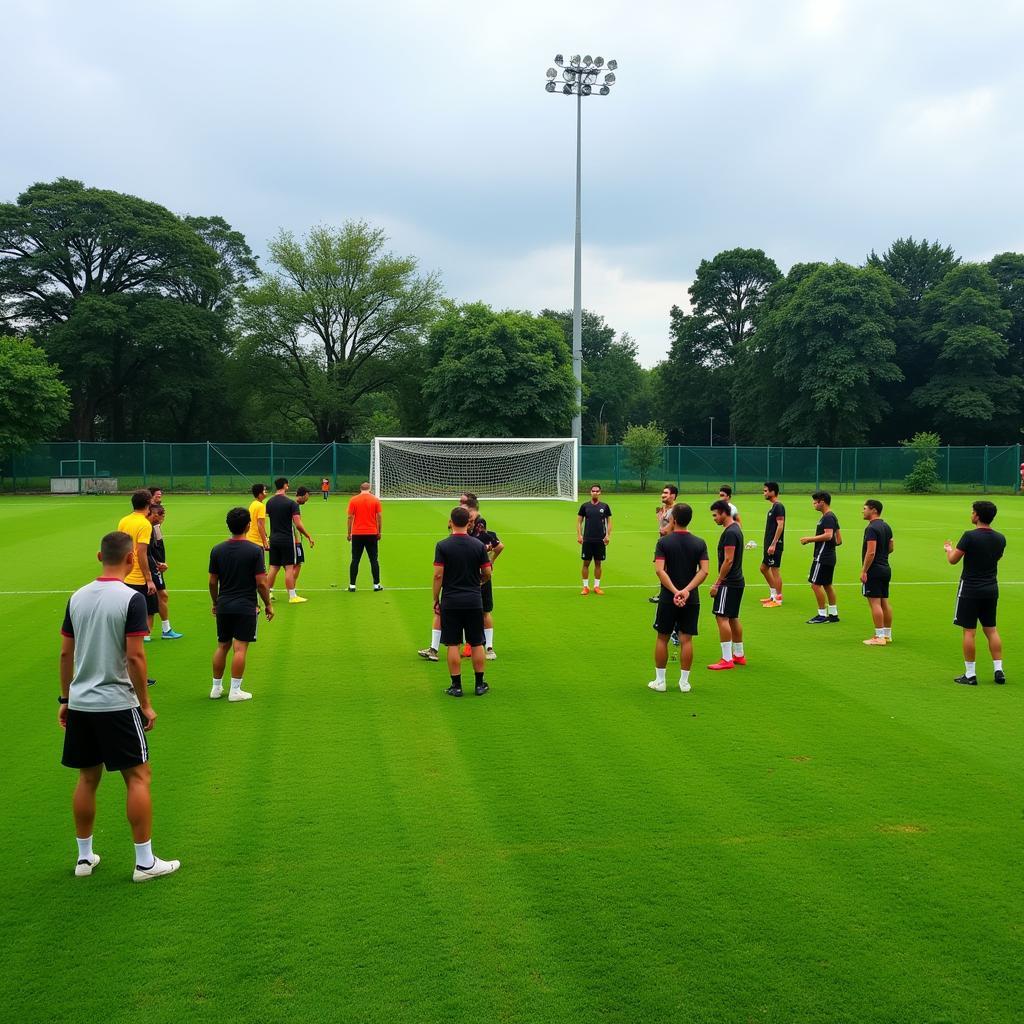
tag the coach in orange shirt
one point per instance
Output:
(364, 523)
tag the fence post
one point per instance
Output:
(79, 474)
(145, 478)
(14, 474)
(271, 461)
(984, 486)
(1016, 473)
(679, 465)
(735, 455)
(855, 452)
(616, 467)
(949, 459)
(334, 463)
(208, 487)
(768, 462)
(782, 467)
(817, 467)
(170, 463)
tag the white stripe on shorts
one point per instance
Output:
(140, 729)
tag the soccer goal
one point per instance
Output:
(496, 467)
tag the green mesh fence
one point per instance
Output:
(233, 467)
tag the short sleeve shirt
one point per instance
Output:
(595, 519)
(825, 550)
(462, 557)
(982, 550)
(280, 509)
(682, 554)
(236, 564)
(140, 529)
(732, 537)
(257, 511)
(775, 513)
(880, 532)
(99, 616)
(364, 508)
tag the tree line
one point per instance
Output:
(121, 320)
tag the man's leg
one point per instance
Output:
(598, 566)
(767, 573)
(83, 803)
(725, 638)
(660, 662)
(272, 575)
(139, 806)
(819, 596)
(220, 660)
(371, 551)
(886, 615)
(161, 600)
(290, 577)
(776, 581)
(240, 649)
(586, 574)
(357, 557)
(995, 643)
(833, 604)
(970, 647)
(454, 658)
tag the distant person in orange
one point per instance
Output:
(364, 528)
(325, 487)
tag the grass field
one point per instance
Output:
(831, 834)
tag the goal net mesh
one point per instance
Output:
(490, 468)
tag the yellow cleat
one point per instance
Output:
(297, 600)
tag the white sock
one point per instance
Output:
(84, 848)
(684, 675)
(597, 581)
(165, 625)
(737, 648)
(435, 639)
(727, 650)
(219, 682)
(586, 582)
(887, 631)
(773, 593)
(144, 854)
(970, 668)
(880, 632)
(833, 609)
(291, 593)
(659, 674)
(489, 637)
(996, 665)
(236, 684)
(822, 612)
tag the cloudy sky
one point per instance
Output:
(813, 130)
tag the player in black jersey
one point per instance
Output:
(727, 589)
(978, 594)
(593, 534)
(875, 573)
(823, 562)
(774, 540)
(681, 564)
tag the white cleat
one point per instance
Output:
(239, 695)
(684, 686)
(657, 684)
(216, 692)
(84, 867)
(155, 870)
(491, 656)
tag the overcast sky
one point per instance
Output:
(812, 130)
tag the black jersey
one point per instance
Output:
(732, 537)
(982, 550)
(595, 519)
(462, 557)
(880, 532)
(280, 509)
(825, 550)
(236, 564)
(775, 513)
(682, 554)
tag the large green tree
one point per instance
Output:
(33, 399)
(498, 374)
(332, 322)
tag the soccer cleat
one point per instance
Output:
(585, 591)
(684, 686)
(817, 619)
(966, 680)
(239, 695)
(171, 635)
(888, 639)
(739, 659)
(481, 689)
(1000, 676)
(377, 587)
(428, 654)
(351, 588)
(491, 655)
(157, 869)
(83, 869)
(147, 639)
(771, 604)
(151, 682)
(721, 665)
(454, 691)
(598, 590)
(833, 618)
(657, 684)
(216, 692)
(675, 637)
(272, 598)
(874, 641)
(467, 651)
(768, 600)
(653, 600)
(297, 600)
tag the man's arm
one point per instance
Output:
(496, 550)
(297, 520)
(869, 557)
(728, 557)
(953, 555)
(142, 555)
(261, 525)
(264, 592)
(135, 655)
(608, 529)
(67, 670)
(780, 525)
(380, 524)
(485, 571)
(579, 529)
(438, 579)
(348, 529)
(214, 590)
(817, 538)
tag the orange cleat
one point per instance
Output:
(720, 666)
(598, 590)
(771, 604)
(585, 591)
(467, 651)
(875, 641)
(739, 659)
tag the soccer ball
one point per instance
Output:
(750, 545)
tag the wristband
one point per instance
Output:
(62, 700)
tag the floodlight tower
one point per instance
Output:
(580, 79)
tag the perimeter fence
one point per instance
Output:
(85, 467)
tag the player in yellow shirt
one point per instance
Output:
(258, 517)
(140, 529)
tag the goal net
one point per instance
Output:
(428, 467)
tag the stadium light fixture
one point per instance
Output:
(580, 80)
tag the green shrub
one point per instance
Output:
(924, 477)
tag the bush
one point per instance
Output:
(924, 477)
(646, 448)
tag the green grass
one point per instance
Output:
(832, 834)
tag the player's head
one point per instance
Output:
(116, 551)
(155, 513)
(142, 499)
(158, 494)
(281, 483)
(720, 511)
(259, 491)
(364, 486)
(872, 509)
(669, 493)
(821, 499)
(466, 497)
(725, 491)
(595, 492)
(459, 517)
(984, 512)
(681, 515)
(771, 490)
(302, 495)
(238, 520)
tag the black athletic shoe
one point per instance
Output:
(151, 682)
(653, 600)
(833, 618)
(454, 691)
(481, 689)
(966, 680)
(675, 637)
(1000, 677)
(817, 619)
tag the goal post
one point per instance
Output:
(510, 468)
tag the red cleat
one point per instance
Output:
(598, 590)
(720, 666)
(739, 659)
(467, 651)
(585, 591)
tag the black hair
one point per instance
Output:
(721, 506)
(238, 520)
(682, 514)
(672, 488)
(598, 486)
(114, 547)
(302, 492)
(158, 508)
(141, 499)
(725, 489)
(460, 516)
(875, 504)
(986, 511)
(280, 482)
(772, 486)
(822, 496)
(258, 489)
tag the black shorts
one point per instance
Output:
(300, 554)
(821, 573)
(487, 594)
(594, 550)
(671, 618)
(158, 579)
(236, 626)
(878, 582)
(727, 601)
(459, 622)
(283, 552)
(971, 610)
(115, 739)
(772, 561)
(152, 604)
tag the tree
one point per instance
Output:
(915, 266)
(33, 399)
(329, 324)
(971, 382)
(924, 476)
(236, 266)
(492, 374)
(645, 447)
